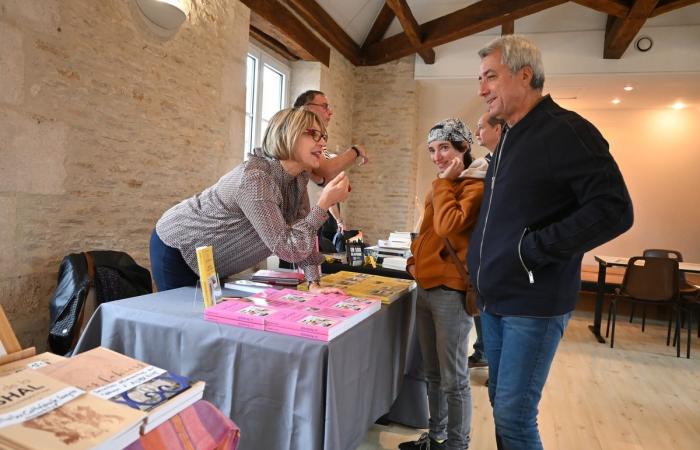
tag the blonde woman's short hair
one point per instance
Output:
(284, 129)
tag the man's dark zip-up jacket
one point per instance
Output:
(552, 193)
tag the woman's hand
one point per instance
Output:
(453, 170)
(336, 191)
(316, 288)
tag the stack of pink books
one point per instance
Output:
(321, 317)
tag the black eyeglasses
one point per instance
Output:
(325, 106)
(316, 135)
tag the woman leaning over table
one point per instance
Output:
(259, 208)
(451, 211)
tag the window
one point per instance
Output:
(267, 84)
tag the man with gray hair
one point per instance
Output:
(553, 192)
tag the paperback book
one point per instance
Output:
(129, 382)
(41, 412)
(286, 311)
(208, 278)
(364, 285)
(33, 362)
(278, 277)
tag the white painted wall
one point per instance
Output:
(657, 150)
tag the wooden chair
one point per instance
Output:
(648, 281)
(10, 350)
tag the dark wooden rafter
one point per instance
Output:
(477, 17)
(381, 24)
(619, 32)
(275, 20)
(411, 29)
(508, 27)
(272, 44)
(321, 22)
(665, 6)
(617, 8)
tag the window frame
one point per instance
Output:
(263, 58)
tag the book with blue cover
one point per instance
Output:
(127, 381)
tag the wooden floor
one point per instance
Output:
(633, 397)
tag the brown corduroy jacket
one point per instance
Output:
(451, 211)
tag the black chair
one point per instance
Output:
(648, 281)
(691, 306)
(686, 289)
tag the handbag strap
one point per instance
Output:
(460, 266)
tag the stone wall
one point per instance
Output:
(385, 117)
(103, 126)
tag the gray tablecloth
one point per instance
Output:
(284, 392)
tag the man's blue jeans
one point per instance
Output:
(520, 351)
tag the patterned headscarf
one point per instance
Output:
(450, 130)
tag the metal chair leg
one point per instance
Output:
(607, 327)
(678, 332)
(614, 317)
(634, 306)
(690, 325)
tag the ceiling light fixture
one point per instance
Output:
(678, 105)
(615, 101)
(628, 88)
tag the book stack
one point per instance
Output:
(395, 250)
(385, 289)
(128, 382)
(41, 412)
(320, 317)
(278, 277)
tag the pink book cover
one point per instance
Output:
(254, 326)
(290, 332)
(285, 295)
(301, 321)
(241, 310)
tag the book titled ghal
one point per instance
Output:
(40, 412)
(129, 382)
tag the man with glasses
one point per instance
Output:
(317, 102)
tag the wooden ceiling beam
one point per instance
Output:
(508, 27)
(617, 8)
(272, 44)
(476, 17)
(381, 24)
(411, 28)
(620, 32)
(275, 20)
(321, 22)
(665, 6)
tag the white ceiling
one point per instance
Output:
(652, 91)
(357, 16)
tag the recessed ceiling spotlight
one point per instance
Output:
(678, 105)
(615, 101)
(628, 88)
